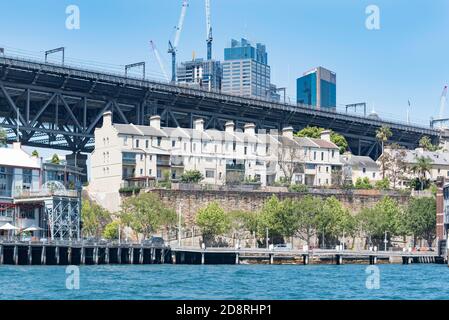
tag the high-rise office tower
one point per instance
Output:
(317, 87)
(206, 74)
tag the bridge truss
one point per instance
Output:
(59, 107)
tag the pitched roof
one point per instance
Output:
(16, 157)
(359, 161)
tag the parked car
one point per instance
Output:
(283, 246)
(154, 241)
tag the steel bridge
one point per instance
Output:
(59, 107)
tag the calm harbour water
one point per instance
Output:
(425, 281)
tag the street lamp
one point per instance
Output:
(385, 241)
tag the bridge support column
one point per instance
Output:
(57, 255)
(30, 255)
(237, 260)
(43, 256)
(339, 259)
(202, 257)
(16, 255)
(305, 259)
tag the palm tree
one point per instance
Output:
(422, 166)
(383, 134)
(35, 154)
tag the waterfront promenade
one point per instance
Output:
(91, 253)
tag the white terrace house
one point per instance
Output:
(132, 154)
(355, 167)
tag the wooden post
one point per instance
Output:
(162, 256)
(141, 255)
(106, 255)
(271, 258)
(173, 257)
(30, 255)
(95, 255)
(151, 255)
(43, 256)
(82, 255)
(1, 254)
(131, 255)
(339, 259)
(202, 257)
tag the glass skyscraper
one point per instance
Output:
(317, 87)
(246, 71)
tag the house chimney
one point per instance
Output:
(198, 125)
(287, 132)
(229, 127)
(250, 128)
(155, 122)
(107, 119)
(326, 135)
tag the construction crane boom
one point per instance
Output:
(172, 48)
(443, 102)
(159, 60)
(208, 31)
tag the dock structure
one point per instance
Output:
(79, 253)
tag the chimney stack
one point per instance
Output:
(229, 127)
(250, 128)
(155, 122)
(107, 119)
(287, 132)
(326, 135)
(198, 125)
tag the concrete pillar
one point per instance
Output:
(30, 255)
(162, 256)
(271, 258)
(372, 259)
(410, 260)
(57, 255)
(119, 255)
(43, 256)
(69, 255)
(339, 259)
(16, 255)
(202, 257)
(106, 255)
(173, 257)
(305, 259)
(131, 255)
(95, 255)
(141, 255)
(237, 261)
(152, 255)
(183, 257)
(1, 254)
(83, 255)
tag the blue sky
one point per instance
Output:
(406, 59)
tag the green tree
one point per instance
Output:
(427, 144)
(35, 154)
(111, 230)
(315, 132)
(306, 211)
(422, 166)
(332, 221)
(383, 134)
(212, 221)
(363, 183)
(94, 219)
(192, 176)
(145, 214)
(55, 159)
(3, 138)
(384, 217)
(383, 184)
(420, 219)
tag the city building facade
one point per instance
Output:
(205, 74)
(359, 167)
(246, 71)
(318, 88)
(130, 155)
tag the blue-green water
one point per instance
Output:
(424, 281)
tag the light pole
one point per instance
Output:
(385, 241)
(266, 237)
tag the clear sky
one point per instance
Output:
(407, 59)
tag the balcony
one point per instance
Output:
(177, 161)
(129, 159)
(235, 167)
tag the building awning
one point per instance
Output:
(8, 226)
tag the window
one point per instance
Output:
(210, 173)
(141, 172)
(245, 151)
(194, 147)
(147, 144)
(374, 175)
(314, 155)
(27, 213)
(234, 146)
(364, 170)
(322, 156)
(137, 143)
(150, 172)
(159, 140)
(185, 146)
(141, 157)
(333, 153)
(173, 143)
(125, 141)
(327, 169)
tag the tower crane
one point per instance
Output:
(208, 31)
(159, 60)
(173, 48)
(443, 102)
